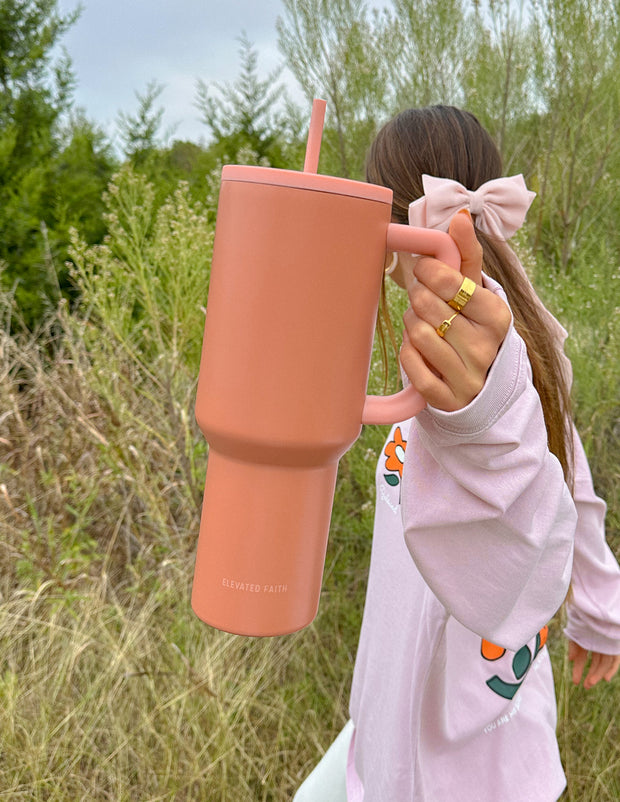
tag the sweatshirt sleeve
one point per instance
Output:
(487, 516)
(594, 600)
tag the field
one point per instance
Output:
(110, 688)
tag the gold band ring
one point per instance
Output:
(462, 297)
(443, 328)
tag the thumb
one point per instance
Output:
(578, 656)
(462, 232)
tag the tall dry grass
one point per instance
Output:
(110, 688)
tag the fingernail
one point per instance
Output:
(464, 211)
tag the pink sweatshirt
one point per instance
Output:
(453, 695)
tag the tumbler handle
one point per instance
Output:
(408, 402)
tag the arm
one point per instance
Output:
(594, 601)
(488, 518)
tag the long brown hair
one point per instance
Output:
(448, 142)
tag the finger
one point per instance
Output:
(484, 307)
(440, 281)
(437, 354)
(435, 349)
(604, 666)
(598, 666)
(613, 668)
(435, 369)
(578, 656)
(423, 377)
(462, 231)
(457, 367)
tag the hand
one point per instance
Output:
(449, 372)
(602, 666)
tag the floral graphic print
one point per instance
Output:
(395, 458)
(521, 663)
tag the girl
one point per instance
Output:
(485, 508)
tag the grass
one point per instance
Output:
(110, 688)
(136, 700)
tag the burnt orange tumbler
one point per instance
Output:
(294, 290)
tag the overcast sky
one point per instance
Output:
(118, 46)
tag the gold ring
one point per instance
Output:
(463, 295)
(445, 326)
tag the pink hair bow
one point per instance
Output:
(500, 205)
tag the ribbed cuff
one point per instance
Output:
(592, 641)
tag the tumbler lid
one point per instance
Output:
(303, 180)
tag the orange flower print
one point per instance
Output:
(490, 651)
(541, 638)
(395, 458)
(521, 662)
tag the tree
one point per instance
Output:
(242, 116)
(33, 95)
(53, 165)
(73, 197)
(332, 50)
(140, 132)
(426, 43)
(576, 79)
(497, 80)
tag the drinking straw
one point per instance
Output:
(313, 146)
